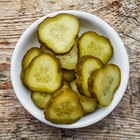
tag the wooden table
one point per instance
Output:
(16, 123)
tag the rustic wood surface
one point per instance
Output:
(16, 123)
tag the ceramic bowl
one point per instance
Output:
(88, 22)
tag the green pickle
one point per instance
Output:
(64, 108)
(85, 66)
(43, 74)
(22, 76)
(104, 82)
(40, 99)
(31, 53)
(90, 43)
(58, 33)
(65, 85)
(68, 61)
(73, 86)
(44, 49)
(68, 75)
(28, 57)
(89, 104)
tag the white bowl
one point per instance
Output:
(88, 22)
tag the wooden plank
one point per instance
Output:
(123, 123)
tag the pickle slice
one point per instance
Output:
(65, 85)
(85, 66)
(43, 74)
(89, 104)
(45, 49)
(31, 53)
(90, 43)
(74, 87)
(22, 76)
(104, 82)
(58, 33)
(68, 75)
(64, 108)
(69, 60)
(41, 99)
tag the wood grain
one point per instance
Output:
(16, 123)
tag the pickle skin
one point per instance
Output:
(103, 92)
(48, 39)
(64, 108)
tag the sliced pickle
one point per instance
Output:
(64, 108)
(104, 82)
(90, 43)
(43, 74)
(45, 49)
(69, 60)
(65, 85)
(31, 53)
(41, 99)
(89, 104)
(58, 33)
(74, 87)
(22, 76)
(68, 75)
(85, 66)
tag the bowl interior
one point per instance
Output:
(88, 22)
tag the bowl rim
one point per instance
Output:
(84, 14)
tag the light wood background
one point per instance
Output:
(16, 123)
